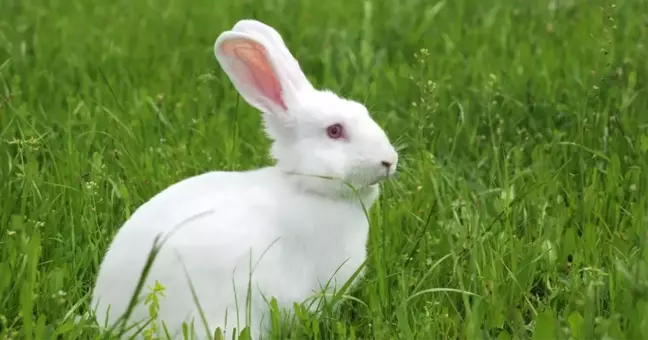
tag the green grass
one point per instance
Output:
(523, 172)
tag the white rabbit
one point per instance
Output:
(297, 224)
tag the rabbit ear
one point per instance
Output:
(293, 70)
(259, 70)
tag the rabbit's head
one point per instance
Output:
(314, 132)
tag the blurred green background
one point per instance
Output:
(522, 126)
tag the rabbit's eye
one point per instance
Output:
(335, 131)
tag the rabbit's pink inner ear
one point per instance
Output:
(260, 73)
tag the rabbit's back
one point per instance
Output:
(215, 220)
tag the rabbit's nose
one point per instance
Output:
(386, 164)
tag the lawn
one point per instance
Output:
(519, 212)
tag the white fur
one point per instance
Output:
(294, 230)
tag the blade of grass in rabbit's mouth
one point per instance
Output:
(386, 177)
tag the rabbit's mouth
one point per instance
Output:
(382, 178)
